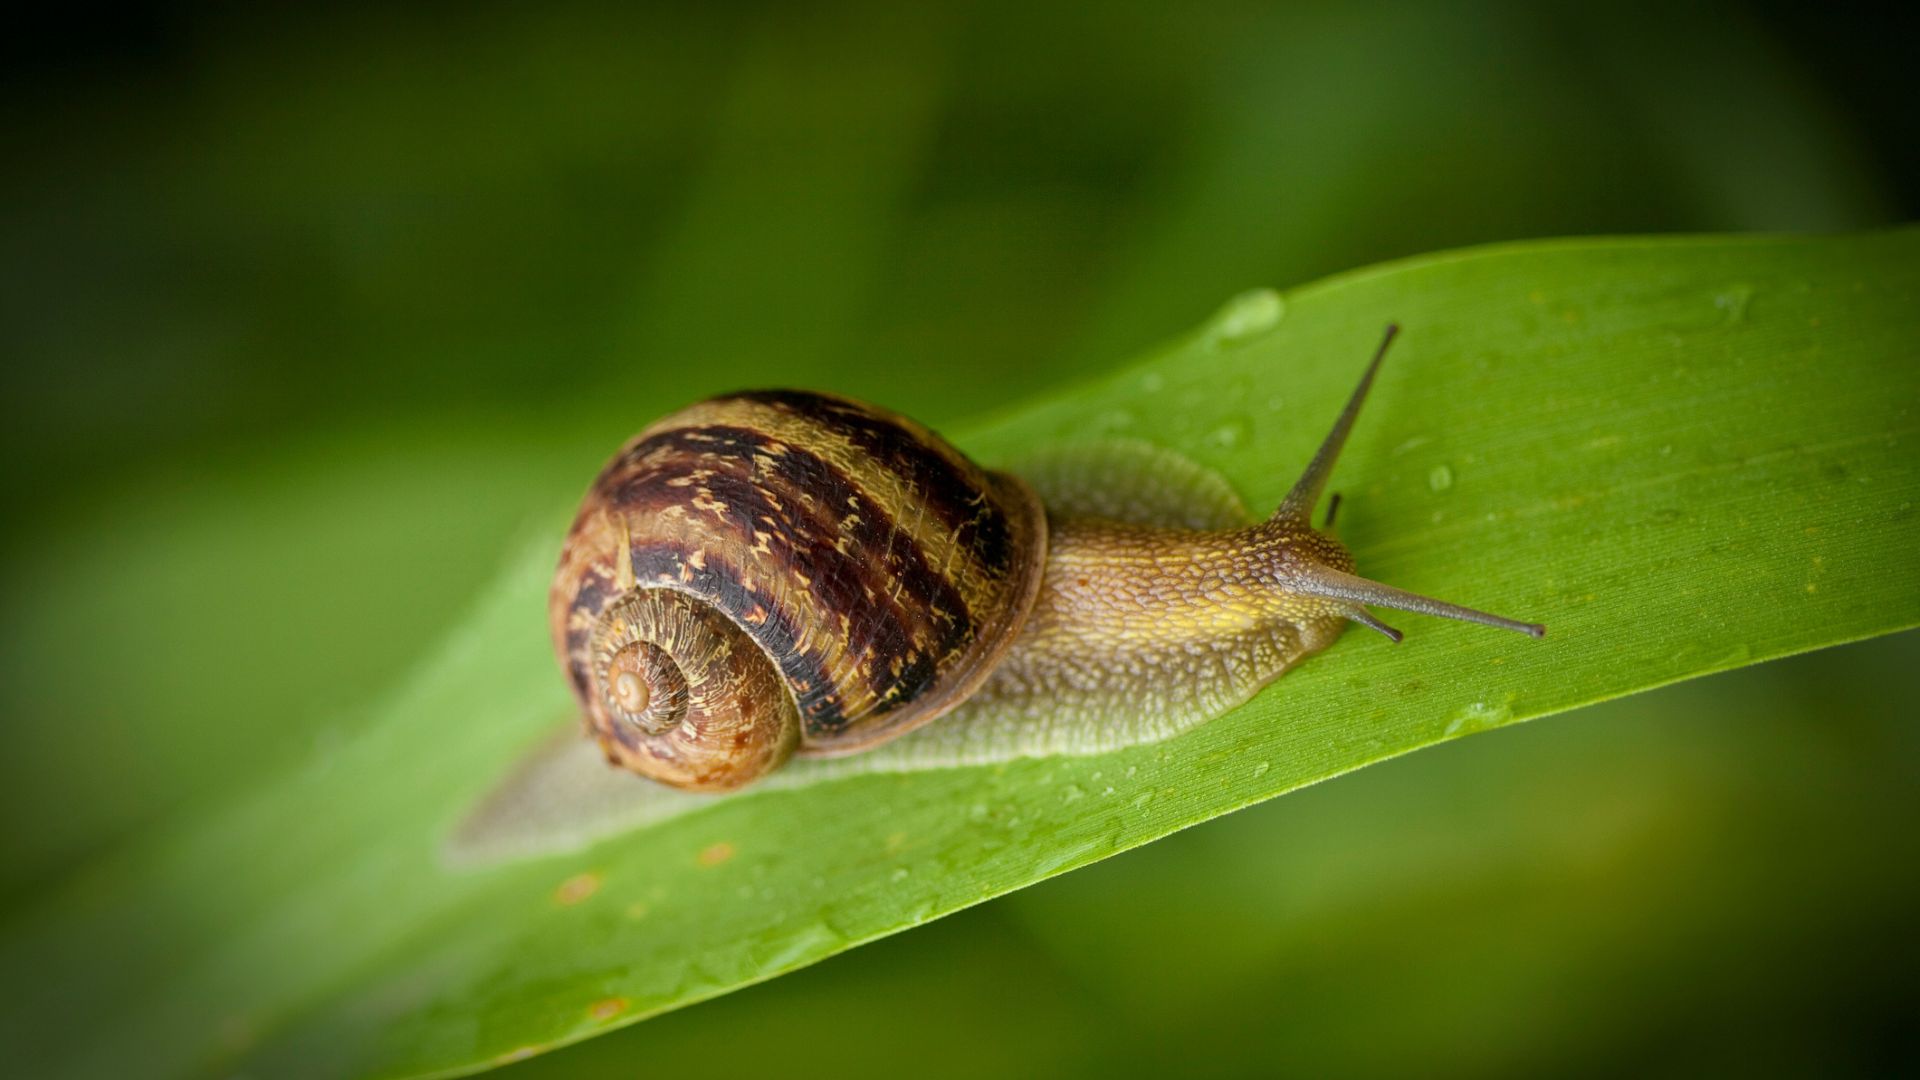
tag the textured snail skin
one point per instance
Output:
(1150, 619)
(790, 572)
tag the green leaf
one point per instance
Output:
(1708, 860)
(1681, 455)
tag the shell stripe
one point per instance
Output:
(944, 483)
(726, 587)
(596, 594)
(942, 503)
(794, 512)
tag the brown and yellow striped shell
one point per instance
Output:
(782, 571)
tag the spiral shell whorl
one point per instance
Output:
(878, 570)
(716, 715)
(638, 682)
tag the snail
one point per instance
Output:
(772, 573)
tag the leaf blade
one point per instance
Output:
(1682, 455)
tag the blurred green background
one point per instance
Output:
(308, 317)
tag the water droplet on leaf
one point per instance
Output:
(1478, 716)
(1733, 302)
(1230, 432)
(1245, 317)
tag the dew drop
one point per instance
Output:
(1440, 478)
(1261, 769)
(1072, 794)
(1733, 301)
(899, 874)
(1245, 317)
(1230, 432)
(1478, 716)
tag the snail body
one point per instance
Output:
(780, 572)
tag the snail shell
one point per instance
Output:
(777, 571)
